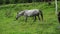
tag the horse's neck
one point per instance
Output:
(22, 13)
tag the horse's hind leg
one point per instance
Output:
(38, 17)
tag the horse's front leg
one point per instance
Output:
(26, 19)
(34, 18)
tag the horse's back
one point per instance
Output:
(31, 12)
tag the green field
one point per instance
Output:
(8, 25)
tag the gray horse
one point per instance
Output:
(30, 13)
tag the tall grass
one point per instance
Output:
(8, 25)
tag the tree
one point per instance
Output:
(7, 1)
(30, 1)
(49, 2)
(1, 1)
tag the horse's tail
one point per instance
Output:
(41, 13)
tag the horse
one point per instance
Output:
(30, 13)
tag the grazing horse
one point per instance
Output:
(58, 16)
(30, 13)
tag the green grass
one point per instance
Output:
(47, 26)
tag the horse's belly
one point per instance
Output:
(28, 13)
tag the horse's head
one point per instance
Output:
(19, 14)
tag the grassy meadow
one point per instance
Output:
(8, 25)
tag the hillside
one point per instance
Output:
(8, 25)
